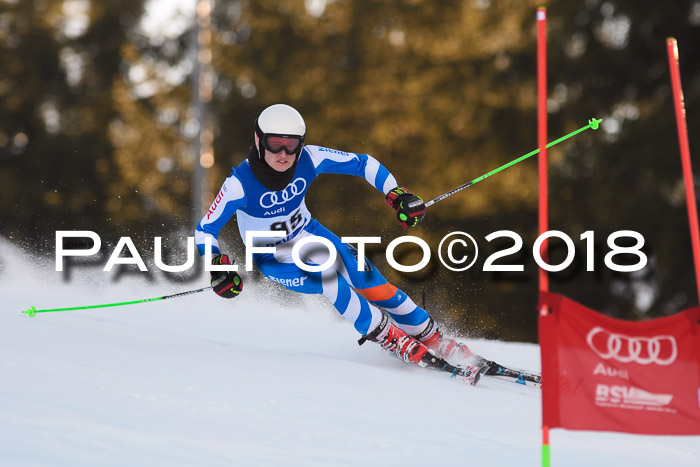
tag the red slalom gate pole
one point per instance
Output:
(672, 48)
(543, 212)
(545, 446)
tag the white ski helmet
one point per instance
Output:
(279, 128)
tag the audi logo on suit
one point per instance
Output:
(276, 198)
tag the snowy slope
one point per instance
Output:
(253, 381)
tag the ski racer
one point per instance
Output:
(267, 192)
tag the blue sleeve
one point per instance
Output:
(230, 198)
(327, 160)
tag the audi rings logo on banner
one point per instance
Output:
(661, 350)
(275, 198)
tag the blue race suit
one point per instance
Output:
(357, 295)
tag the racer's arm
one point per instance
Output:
(230, 198)
(227, 284)
(409, 208)
(328, 160)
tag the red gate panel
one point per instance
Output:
(606, 374)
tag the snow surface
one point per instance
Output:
(265, 379)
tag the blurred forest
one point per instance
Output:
(97, 126)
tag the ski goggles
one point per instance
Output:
(279, 143)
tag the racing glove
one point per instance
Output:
(226, 284)
(410, 209)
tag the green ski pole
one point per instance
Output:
(32, 311)
(592, 123)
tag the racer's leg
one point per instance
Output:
(363, 315)
(372, 285)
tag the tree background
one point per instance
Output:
(97, 122)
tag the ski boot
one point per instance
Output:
(410, 350)
(392, 339)
(445, 347)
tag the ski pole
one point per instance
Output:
(592, 123)
(32, 311)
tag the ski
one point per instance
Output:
(498, 371)
(459, 354)
(469, 374)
